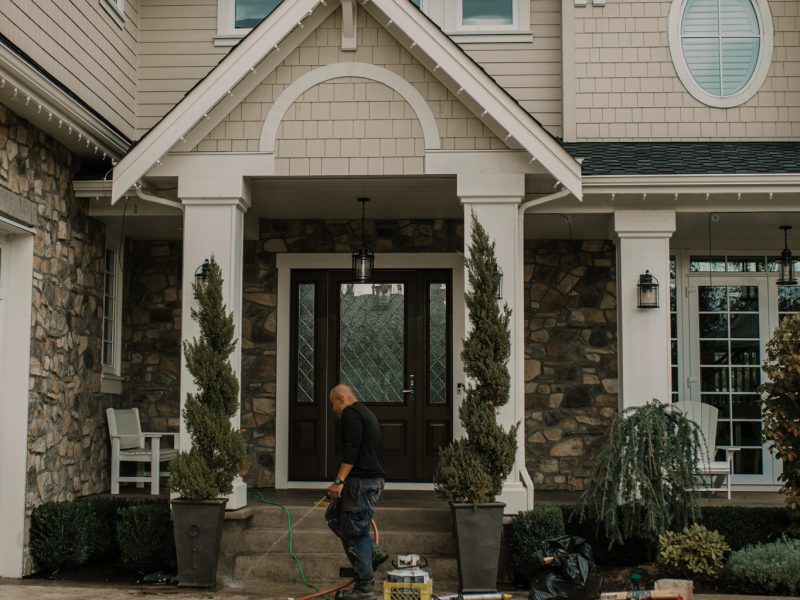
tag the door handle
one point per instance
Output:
(412, 386)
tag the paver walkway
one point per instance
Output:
(15, 590)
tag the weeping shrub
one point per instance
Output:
(645, 473)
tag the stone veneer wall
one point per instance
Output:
(151, 346)
(259, 311)
(67, 433)
(571, 385)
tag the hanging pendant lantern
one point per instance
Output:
(363, 258)
(787, 275)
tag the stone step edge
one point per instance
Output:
(327, 531)
(330, 555)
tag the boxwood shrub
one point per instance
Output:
(528, 530)
(132, 532)
(145, 538)
(746, 525)
(61, 535)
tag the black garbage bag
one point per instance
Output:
(570, 576)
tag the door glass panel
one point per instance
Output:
(305, 342)
(730, 371)
(437, 342)
(746, 264)
(713, 298)
(714, 326)
(372, 340)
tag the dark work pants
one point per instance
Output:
(349, 517)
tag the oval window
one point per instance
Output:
(721, 48)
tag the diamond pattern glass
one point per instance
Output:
(437, 342)
(305, 342)
(372, 340)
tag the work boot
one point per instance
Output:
(379, 556)
(358, 592)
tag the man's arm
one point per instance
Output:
(352, 432)
(335, 489)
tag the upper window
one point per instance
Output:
(116, 9)
(237, 17)
(721, 48)
(487, 14)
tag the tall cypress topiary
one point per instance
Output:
(474, 468)
(206, 472)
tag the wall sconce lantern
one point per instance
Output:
(499, 274)
(363, 258)
(648, 290)
(787, 276)
(201, 273)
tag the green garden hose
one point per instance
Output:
(260, 498)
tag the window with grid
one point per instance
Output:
(110, 311)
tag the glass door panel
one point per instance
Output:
(729, 327)
(372, 340)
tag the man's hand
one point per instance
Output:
(335, 490)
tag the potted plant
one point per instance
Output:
(205, 473)
(471, 471)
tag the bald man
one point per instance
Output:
(357, 488)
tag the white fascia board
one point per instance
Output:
(449, 162)
(31, 82)
(92, 188)
(484, 90)
(692, 184)
(215, 86)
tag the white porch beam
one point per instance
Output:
(644, 350)
(213, 225)
(494, 199)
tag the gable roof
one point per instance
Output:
(686, 158)
(422, 37)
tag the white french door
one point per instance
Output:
(730, 321)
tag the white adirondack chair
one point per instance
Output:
(130, 444)
(705, 416)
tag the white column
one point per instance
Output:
(644, 340)
(15, 369)
(213, 225)
(495, 200)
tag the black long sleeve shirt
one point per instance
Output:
(362, 442)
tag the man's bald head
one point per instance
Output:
(341, 397)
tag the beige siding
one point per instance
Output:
(627, 87)
(530, 72)
(319, 131)
(177, 50)
(81, 45)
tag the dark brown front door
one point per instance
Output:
(390, 340)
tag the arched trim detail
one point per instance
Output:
(350, 69)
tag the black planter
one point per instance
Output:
(479, 528)
(198, 533)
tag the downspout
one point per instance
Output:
(519, 326)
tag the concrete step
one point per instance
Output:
(308, 541)
(322, 567)
(387, 518)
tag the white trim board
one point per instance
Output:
(15, 373)
(285, 263)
